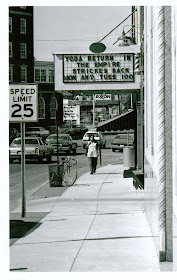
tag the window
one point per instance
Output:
(51, 76)
(41, 108)
(37, 75)
(22, 26)
(10, 49)
(43, 75)
(40, 75)
(53, 107)
(10, 73)
(23, 50)
(10, 24)
(23, 73)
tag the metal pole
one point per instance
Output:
(100, 154)
(57, 147)
(23, 168)
(93, 110)
(57, 113)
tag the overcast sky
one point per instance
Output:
(59, 26)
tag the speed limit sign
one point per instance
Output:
(23, 102)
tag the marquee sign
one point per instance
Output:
(90, 68)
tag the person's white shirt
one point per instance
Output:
(92, 149)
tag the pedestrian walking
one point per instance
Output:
(92, 154)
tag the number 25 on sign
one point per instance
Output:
(23, 102)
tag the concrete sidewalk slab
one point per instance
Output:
(117, 255)
(96, 225)
(44, 257)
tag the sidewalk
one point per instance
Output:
(97, 225)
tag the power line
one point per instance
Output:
(63, 40)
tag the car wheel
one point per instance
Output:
(40, 159)
(49, 158)
(74, 151)
(113, 150)
(104, 146)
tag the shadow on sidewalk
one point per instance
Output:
(20, 227)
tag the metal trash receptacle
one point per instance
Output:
(55, 174)
(129, 157)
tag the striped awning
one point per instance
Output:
(127, 121)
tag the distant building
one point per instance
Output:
(49, 100)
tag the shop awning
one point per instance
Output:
(125, 121)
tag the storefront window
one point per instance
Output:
(53, 107)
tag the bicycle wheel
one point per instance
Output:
(70, 176)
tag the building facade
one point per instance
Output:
(160, 122)
(21, 59)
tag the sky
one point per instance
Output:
(61, 26)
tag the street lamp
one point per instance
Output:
(127, 41)
(99, 47)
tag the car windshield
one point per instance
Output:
(33, 129)
(124, 136)
(65, 126)
(92, 133)
(61, 137)
(27, 141)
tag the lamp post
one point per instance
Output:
(93, 110)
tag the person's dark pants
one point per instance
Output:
(93, 164)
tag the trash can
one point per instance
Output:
(129, 157)
(55, 174)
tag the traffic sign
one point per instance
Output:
(23, 102)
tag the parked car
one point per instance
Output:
(65, 143)
(123, 139)
(35, 148)
(66, 128)
(79, 128)
(76, 128)
(13, 133)
(52, 129)
(98, 136)
(37, 131)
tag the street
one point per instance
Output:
(36, 174)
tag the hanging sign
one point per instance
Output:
(23, 103)
(103, 96)
(70, 112)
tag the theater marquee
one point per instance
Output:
(88, 68)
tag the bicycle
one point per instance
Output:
(69, 172)
(64, 173)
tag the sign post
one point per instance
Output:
(23, 107)
(23, 168)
